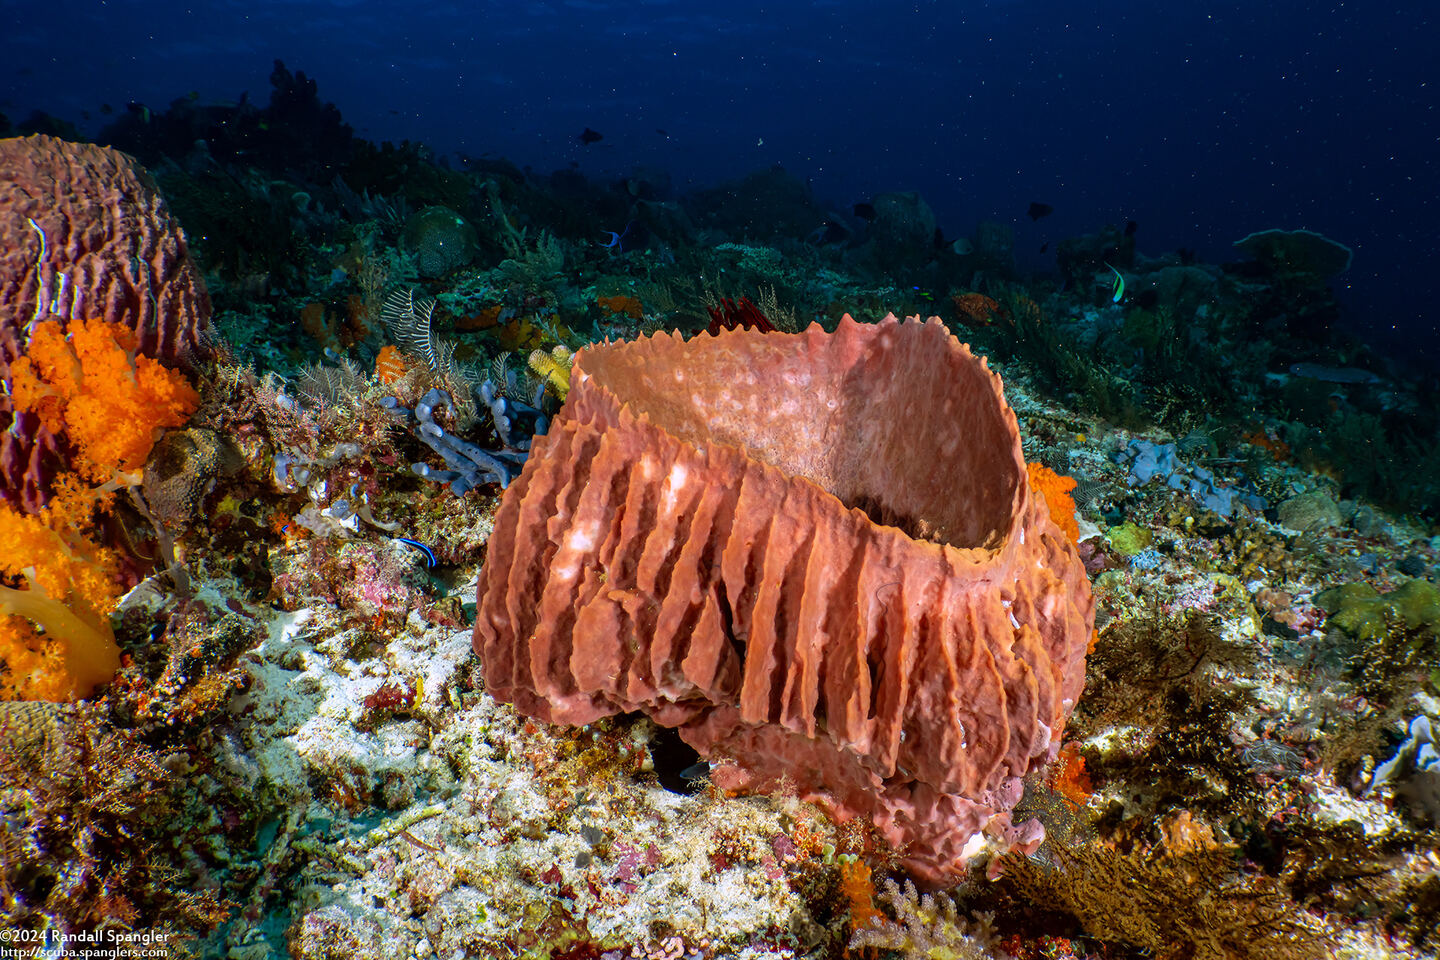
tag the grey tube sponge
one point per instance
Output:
(470, 465)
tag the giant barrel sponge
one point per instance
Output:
(817, 555)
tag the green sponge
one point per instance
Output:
(1128, 539)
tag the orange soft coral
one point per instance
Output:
(1056, 491)
(90, 386)
(390, 364)
(857, 891)
(1070, 778)
(975, 309)
(72, 587)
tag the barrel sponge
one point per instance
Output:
(817, 555)
(84, 234)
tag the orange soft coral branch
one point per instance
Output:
(89, 385)
(1056, 488)
(86, 646)
(1070, 778)
(72, 588)
(857, 891)
(52, 551)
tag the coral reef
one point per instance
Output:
(1179, 903)
(290, 747)
(1055, 489)
(1147, 461)
(72, 584)
(1362, 611)
(84, 813)
(901, 232)
(729, 315)
(108, 403)
(89, 386)
(182, 469)
(554, 368)
(926, 926)
(468, 465)
(737, 595)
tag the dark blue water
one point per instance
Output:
(1203, 122)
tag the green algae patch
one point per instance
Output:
(1362, 611)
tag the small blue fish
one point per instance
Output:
(429, 554)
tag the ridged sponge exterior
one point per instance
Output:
(816, 554)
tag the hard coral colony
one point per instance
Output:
(748, 537)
